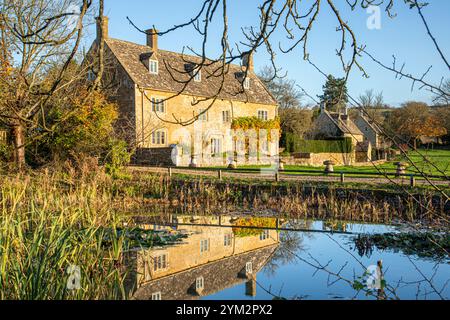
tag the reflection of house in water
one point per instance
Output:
(209, 260)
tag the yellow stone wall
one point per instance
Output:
(180, 108)
(188, 255)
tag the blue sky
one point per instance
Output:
(405, 36)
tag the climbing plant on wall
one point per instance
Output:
(254, 123)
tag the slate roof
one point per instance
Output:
(372, 125)
(130, 56)
(218, 275)
(344, 123)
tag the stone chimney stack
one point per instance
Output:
(250, 287)
(247, 61)
(345, 110)
(102, 28)
(323, 106)
(152, 39)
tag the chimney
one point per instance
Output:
(250, 287)
(345, 110)
(323, 105)
(247, 61)
(152, 39)
(102, 27)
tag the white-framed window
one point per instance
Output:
(159, 137)
(227, 239)
(263, 115)
(200, 283)
(247, 83)
(156, 296)
(160, 262)
(203, 116)
(226, 116)
(204, 245)
(197, 75)
(249, 267)
(215, 146)
(264, 235)
(153, 66)
(158, 105)
(264, 145)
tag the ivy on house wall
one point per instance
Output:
(254, 123)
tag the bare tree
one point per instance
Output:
(45, 37)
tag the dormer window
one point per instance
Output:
(247, 83)
(197, 75)
(199, 283)
(249, 267)
(194, 71)
(153, 66)
(243, 79)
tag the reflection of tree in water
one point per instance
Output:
(290, 242)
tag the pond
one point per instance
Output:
(238, 258)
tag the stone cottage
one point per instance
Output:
(373, 133)
(337, 125)
(155, 101)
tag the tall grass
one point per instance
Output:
(48, 225)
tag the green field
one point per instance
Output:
(430, 162)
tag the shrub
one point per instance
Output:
(116, 157)
(296, 145)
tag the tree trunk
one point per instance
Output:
(18, 139)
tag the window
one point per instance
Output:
(199, 283)
(263, 115)
(153, 66)
(264, 235)
(159, 138)
(247, 83)
(197, 75)
(160, 262)
(249, 267)
(215, 146)
(227, 240)
(204, 245)
(158, 105)
(156, 296)
(203, 115)
(226, 116)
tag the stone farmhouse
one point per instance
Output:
(207, 261)
(153, 102)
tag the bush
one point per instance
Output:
(296, 145)
(116, 157)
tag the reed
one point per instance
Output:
(49, 224)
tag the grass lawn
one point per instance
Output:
(431, 162)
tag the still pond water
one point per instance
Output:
(238, 259)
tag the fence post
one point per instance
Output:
(277, 177)
(342, 177)
(170, 172)
(220, 174)
(412, 181)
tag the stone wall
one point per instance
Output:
(317, 159)
(154, 157)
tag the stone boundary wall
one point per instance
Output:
(317, 159)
